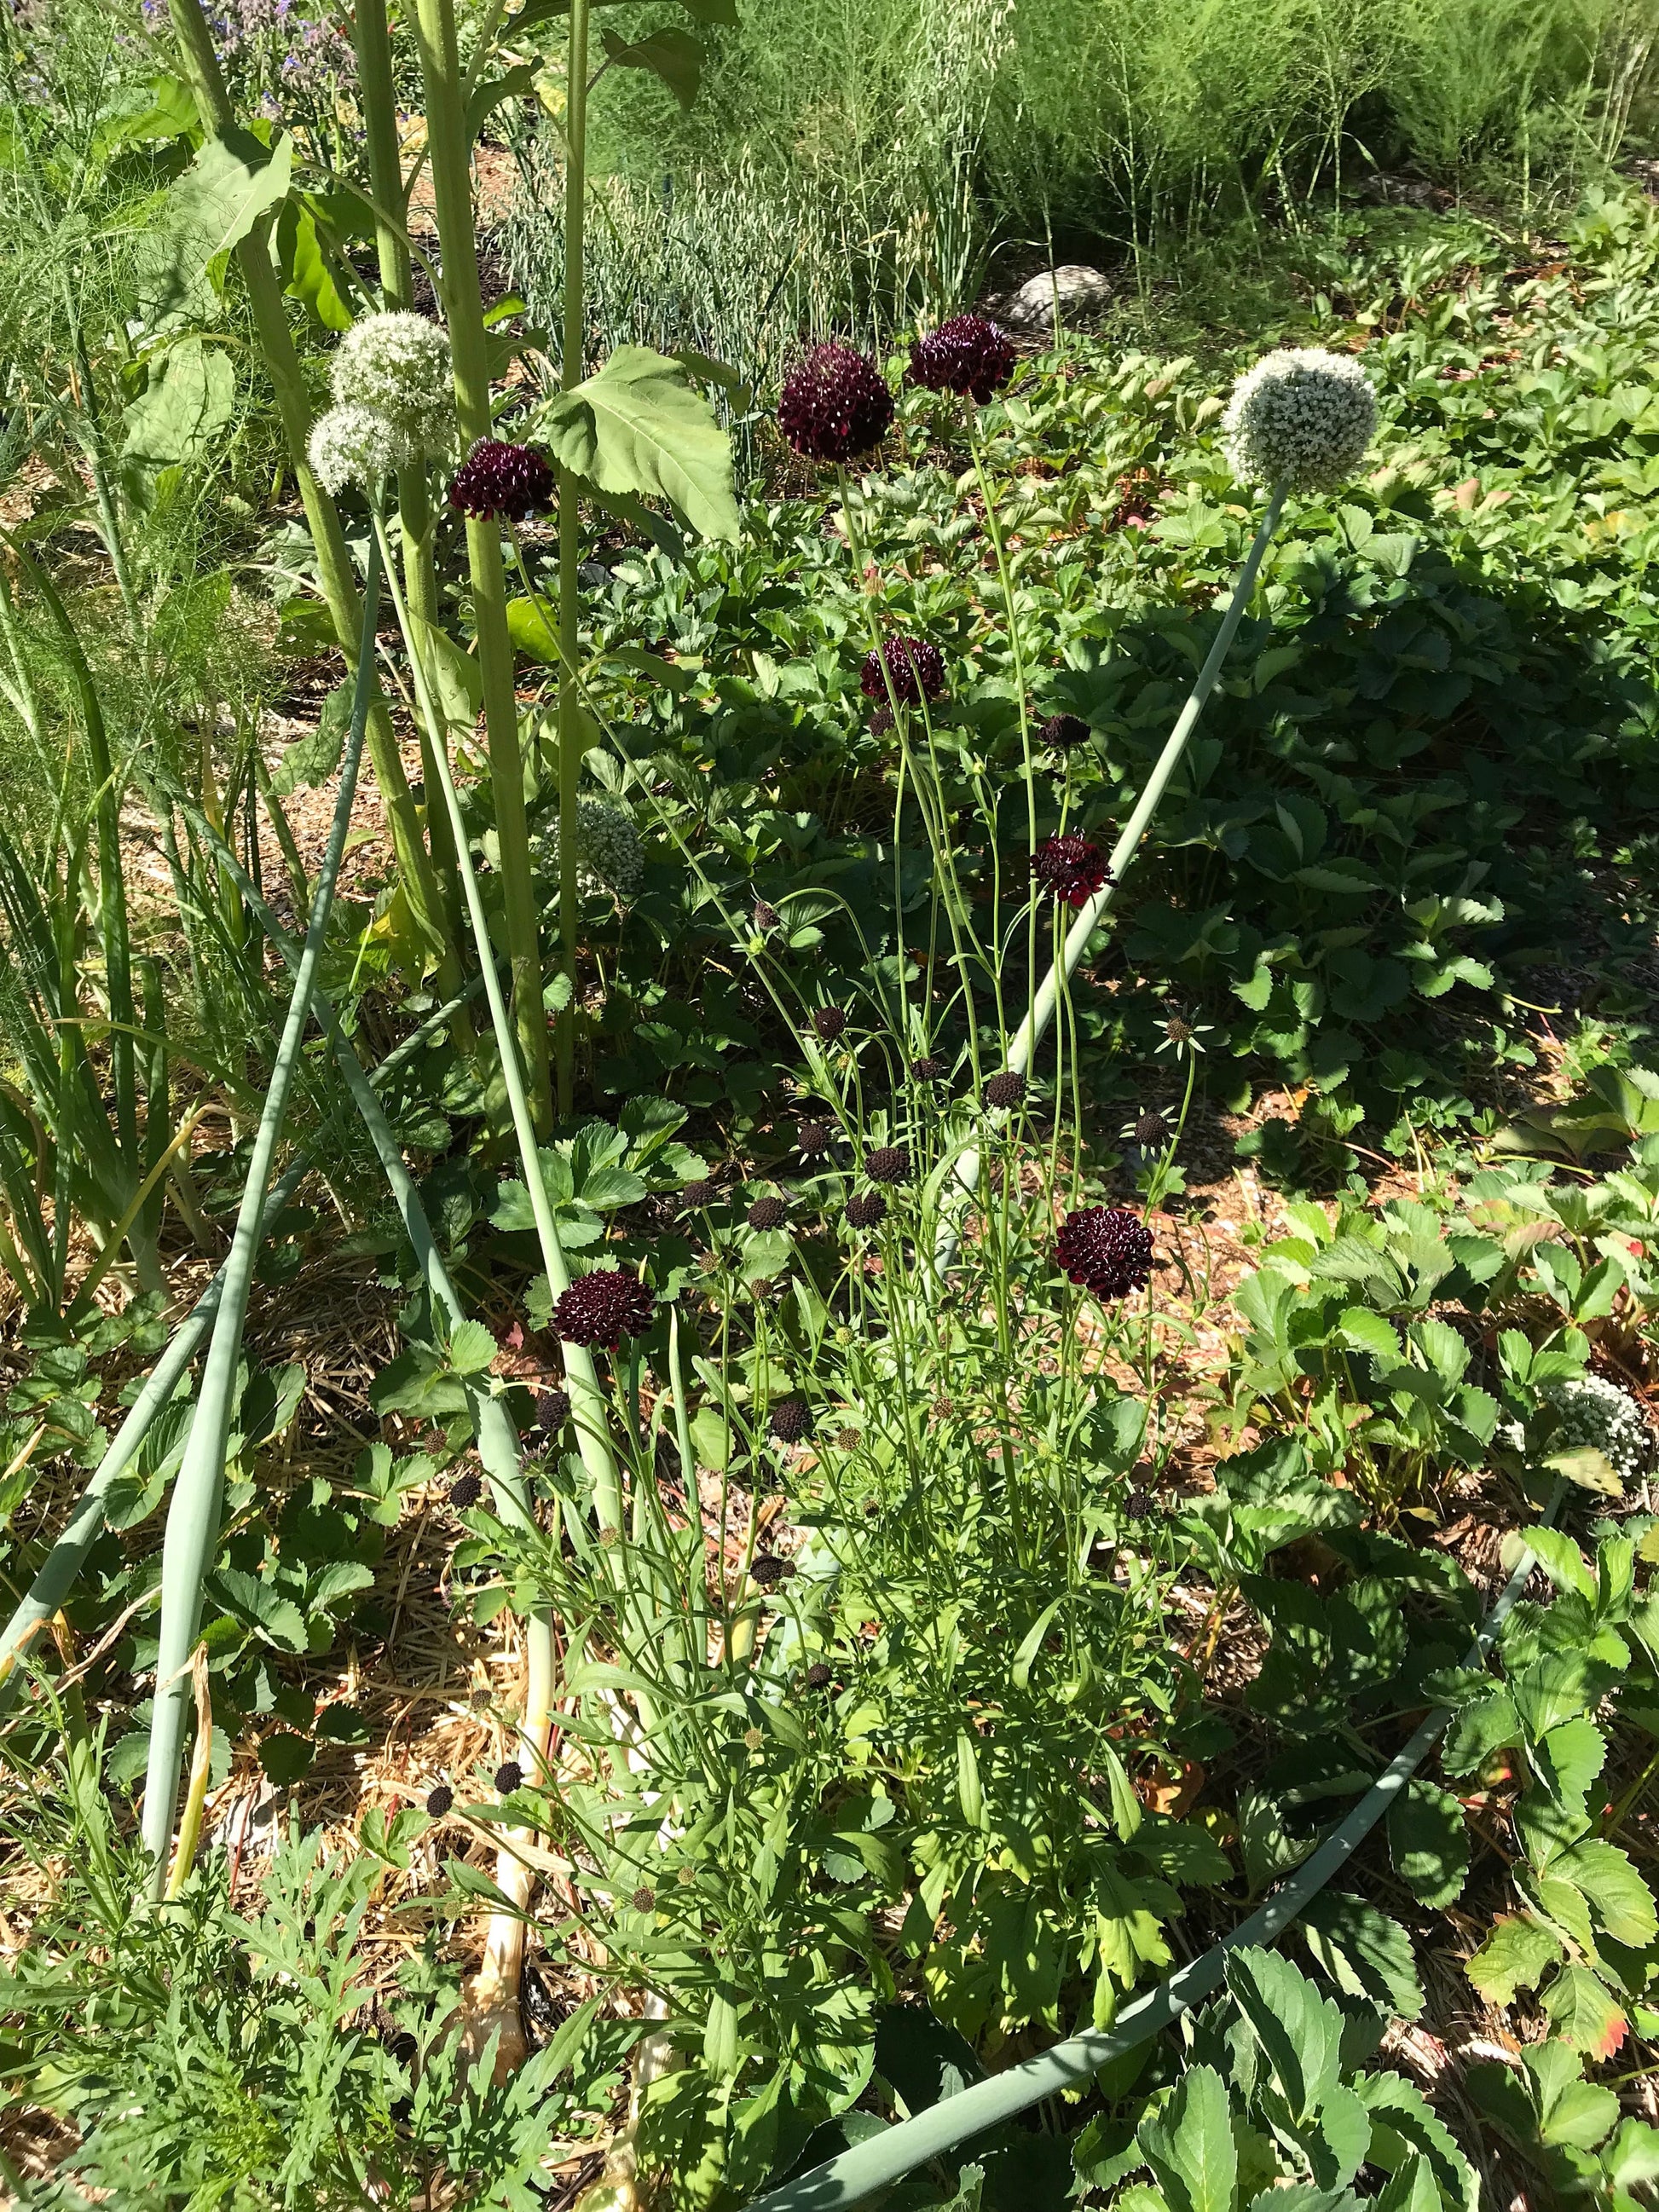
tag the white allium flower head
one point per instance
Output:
(609, 855)
(1598, 1413)
(1301, 413)
(398, 364)
(356, 445)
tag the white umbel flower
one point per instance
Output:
(609, 857)
(398, 364)
(1303, 416)
(1598, 1413)
(356, 445)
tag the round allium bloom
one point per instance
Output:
(1150, 1130)
(966, 354)
(867, 1211)
(509, 1777)
(1599, 1414)
(817, 1676)
(697, 1194)
(644, 1899)
(1064, 732)
(1106, 1249)
(915, 667)
(834, 404)
(506, 481)
(1300, 415)
(925, 1068)
(398, 364)
(1068, 866)
(831, 1023)
(552, 1411)
(439, 1800)
(768, 1214)
(609, 854)
(766, 1569)
(466, 1490)
(887, 1163)
(356, 445)
(812, 1138)
(791, 1421)
(602, 1307)
(767, 916)
(1006, 1089)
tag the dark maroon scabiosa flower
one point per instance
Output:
(505, 481)
(1006, 1089)
(509, 1777)
(831, 1023)
(1068, 867)
(466, 1490)
(767, 1569)
(817, 1676)
(791, 1421)
(1151, 1130)
(602, 1307)
(439, 1800)
(552, 1411)
(1139, 1503)
(834, 404)
(1064, 732)
(887, 1163)
(867, 1211)
(812, 1138)
(697, 1195)
(768, 1214)
(926, 1069)
(966, 354)
(916, 668)
(1106, 1249)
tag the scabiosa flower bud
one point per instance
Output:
(509, 1777)
(602, 1307)
(925, 1068)
(398, 364)
(356, 445)
(439, 1800)
(552, 1411)
(817, 1676)
(1064, 733)
(1151, 1130)
(766, 1569)
(466, 1490)
(916, 668)
(1006, 1089)
(812, 1138)
(1302, 415)
(696, 1195)
(867, 1211)
(966, 354)
(834, 404)
(848, 1439)
(1106, 1249)
(644, 1899)
(791, 1421)
(831, 1023)
(754, 1738)
(768, 1214)
(505, 481)
(887, 1163)
(1139, 1503)
(1068, 867)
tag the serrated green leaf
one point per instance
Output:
(471, 1348)
(1584, 2012)
(639, 425)
(1515, 1956)
(1428, 1843)
(1189, 2144)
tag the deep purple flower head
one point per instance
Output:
(812, 1137)
(1106, 1249)
(834, 404)
(602, 1307)
(1069, 867)
(817, 1676)
(509, 1777)
(925, 1068)
(499, 480)
(552, 1411)
(831, 1023)
(887, 1163)
(767, 1212)
(466, 1490)
(966, 354)
(916, 668)
(1064, 733)
(696, 1195)
(439, 1800)
(792, 1421)
(1151, 1130)
(868, 1211)
(1006, 1089)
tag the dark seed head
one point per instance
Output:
(926, 1069)
(1069, 867)
(497, 479)
(966, 354)
(1064, 733)
(552, 1411)
(768, 1214)
(834, 404)
(887, 1163)
(644, 1899)
(791, 1421)
(817, 1676)
(914, 668)
(1139, 1503)
(831, 1023)
(848, 1439)
(1106, 1249)
(867, 1211)
(812, 1137)
(697, 1195)
(766, 1569)
(765, 917)
(602, 1307)
(509, 1777)
(439, 1800)
(466, 1490)
(1006, 1089)
(1151, 1130)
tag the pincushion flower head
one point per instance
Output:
(967, 354)
(602, 1307)
(834, 404)
(1068, 867)
(355, 445)
(398, 364)
(1106, 1249)
(504, 482)
(1302, 417)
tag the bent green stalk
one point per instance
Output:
(875, 2165)
(192, 1525)
(1088, 918)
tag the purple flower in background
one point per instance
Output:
(966, 354)
(502, 480)
(834, 404)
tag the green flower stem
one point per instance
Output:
(1088, 918)
(452, 189)
(872, 2167)
(201, 65)
(570, 374)
(192, 1528)
(586, 1396)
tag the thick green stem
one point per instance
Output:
(570, 374)
(448, 142)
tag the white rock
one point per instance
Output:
(1079, 292)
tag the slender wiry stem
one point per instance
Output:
(570, 373)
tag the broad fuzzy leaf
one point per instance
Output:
(637, 425)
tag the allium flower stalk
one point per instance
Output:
(1068, 866)
(398, 364)
(834, 405)
(353, 444)
(602, 1308)
(509, 482)
(967, 354)
(1106, 1249)
(1301, 416)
